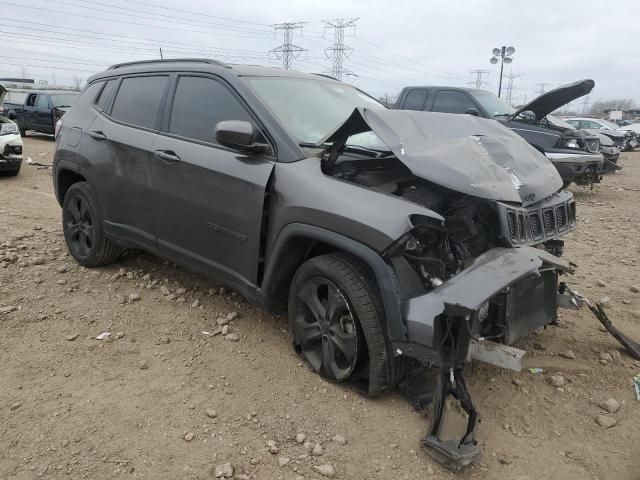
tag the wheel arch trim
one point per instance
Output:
(385, 276)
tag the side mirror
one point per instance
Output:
(238, 134)
(472, 111)
(527, 115)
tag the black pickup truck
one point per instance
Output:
(40, 110)
(575, 153)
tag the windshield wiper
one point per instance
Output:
(503, 115)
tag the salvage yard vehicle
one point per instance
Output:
(40, 110)
(10, 144)
(393, 239)
(574, 153)
(624, 139)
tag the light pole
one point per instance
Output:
(504, 54)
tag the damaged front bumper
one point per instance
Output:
(582, 169)
(517, 285)
(10, 152)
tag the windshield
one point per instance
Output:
(491, 103)
(63, 99)
(608, 124)
(310, 109)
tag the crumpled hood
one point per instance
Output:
(554, 99)
(468, 154)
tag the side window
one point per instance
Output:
(31, 101)
(138, 100)
(591, 124)
(43, 101)
(105, 95)
(451, 101)
(199, 104)
(415, 99)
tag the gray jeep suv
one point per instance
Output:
(394, 239)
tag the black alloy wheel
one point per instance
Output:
(79, 226)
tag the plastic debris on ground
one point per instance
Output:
(636, 383)
(103, 335)
(536, 371)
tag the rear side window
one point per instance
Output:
(43, 101)
(415, 99)
(138, 100)
(450, 101)
(199, 104)
(105, 95)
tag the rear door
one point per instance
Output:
(124, 133)
(208, 199)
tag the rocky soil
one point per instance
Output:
(189, 381)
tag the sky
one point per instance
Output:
(394, 44)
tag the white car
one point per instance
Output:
(625, 138)
(10, 144)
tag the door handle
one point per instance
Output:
(167, 156)
(97, 135)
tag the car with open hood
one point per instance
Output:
(576, 154)
(10, 143)
(395, 241)
(623, 138)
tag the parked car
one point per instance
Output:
(391, 238)
(623, 138)
(609, 151)
(40, 110)
(575, 154)
(10, 144)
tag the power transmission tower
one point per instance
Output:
(339, 51)
(510, 86)
(541, 85)
(478, 82)
(287, 52)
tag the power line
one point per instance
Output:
(339, 51)
(287, 52)
(478, 82)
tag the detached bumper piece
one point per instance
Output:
(453, 454)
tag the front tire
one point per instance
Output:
(83, 231)
(336, 319)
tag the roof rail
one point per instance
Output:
(169, 60)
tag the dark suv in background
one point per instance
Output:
(575, 153)
(393, 239)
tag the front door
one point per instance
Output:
(208, 199)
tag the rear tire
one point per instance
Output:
(346, 315)
(83, 230)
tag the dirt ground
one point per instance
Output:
(161, 399)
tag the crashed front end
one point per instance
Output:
(484, 264)
(581, 169)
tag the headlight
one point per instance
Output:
(8, 128)
(568, 142)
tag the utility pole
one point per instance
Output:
(478, 82)
(510, 87)
(541, 85)
(339, 51)
(287, 52)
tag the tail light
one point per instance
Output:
(58, 127)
